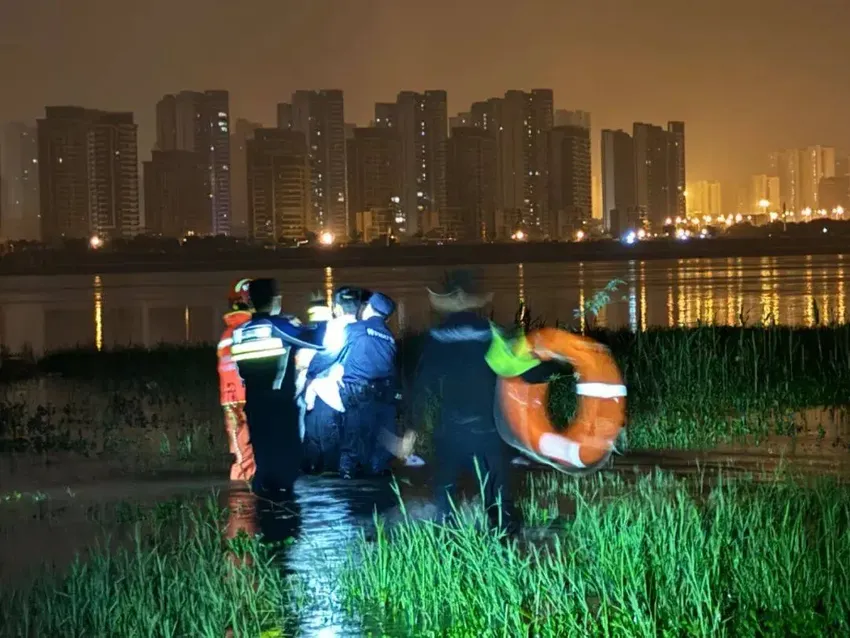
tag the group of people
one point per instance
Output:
(323, 394)
(308, 397)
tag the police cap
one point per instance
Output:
(382, 304)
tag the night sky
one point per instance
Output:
(747, 76)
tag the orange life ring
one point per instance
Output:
(589, 439)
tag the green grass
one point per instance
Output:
(659, 556)
(173, 575)
(688, 388)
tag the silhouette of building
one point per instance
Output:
(570, 186)
(176, 186)
(472, 190)
(374, 182)
(705, 198)
(618, 175)
(200, 122)
(284, 115)
(243, 131)
(816, 163)
(19, 196)
(320, 117)
(786, 166)
(88, 173)
(279, 185)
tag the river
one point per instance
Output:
(49, 313)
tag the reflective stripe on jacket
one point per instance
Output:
(230, 385)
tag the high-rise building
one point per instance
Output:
(374, 181)
(676, 172)
(176, 186)
(88, 173)
(279, 185)
(660, 175)
(320, 116)
(652, 185)
(842, 165)
(243, 131)
(19, 209)
(834, 195)
(596, 185)
(200, 122)
(564, 117)
(472, 159)
(816, 163)
(284, 115)
(704, 198)
(786, 166)
(618, 175)
(526, 119)
(570, 194)
(422, 123)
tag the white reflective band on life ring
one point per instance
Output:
(600, 390)
(224, 343)
(560, 448)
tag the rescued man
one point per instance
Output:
(263, 351)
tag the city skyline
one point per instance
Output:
(259, 57)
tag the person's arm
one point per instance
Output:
(291, 330)
(424, 384)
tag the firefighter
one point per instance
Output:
(231, 390)
(453, 370)
(263, 351)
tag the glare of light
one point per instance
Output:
(824, 230)
(641, 234)
(703, 233)
(678, 220)
(681, 234)
(838, 210)
(669, 222)
(707, 219)
(95, 242)
(728, 220)
(763, 203)
(822, 212)
(579, 235)
(518, 235)
(326, 238)
(739, 218)
(630, 237)
(773, 216)
(685, 193)
(807, 212)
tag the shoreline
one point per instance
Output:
(56, 263)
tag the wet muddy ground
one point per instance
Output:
(50, 512)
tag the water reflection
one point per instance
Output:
(329, 286)
(108, 310)
(98, 312)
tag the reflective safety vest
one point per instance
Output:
(230, 388)
(510, 357)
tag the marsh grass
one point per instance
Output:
(688, 388)
(171, 575)
(658, 556)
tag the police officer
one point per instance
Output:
(367, 360)
(382, 399)
(263, 351)
(454, 371)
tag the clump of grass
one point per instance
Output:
(173, 576)
(659, 556)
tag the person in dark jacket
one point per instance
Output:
(263, 352)
(453, 371)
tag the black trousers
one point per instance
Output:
(457, 449)
(276, 440)
(321, 438)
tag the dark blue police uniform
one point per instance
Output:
(263, 352)
(368, 394)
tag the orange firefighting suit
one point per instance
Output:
(232, 396)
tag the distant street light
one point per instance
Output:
(326, 238)
(95, 242)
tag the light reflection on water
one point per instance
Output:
(56, 312)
